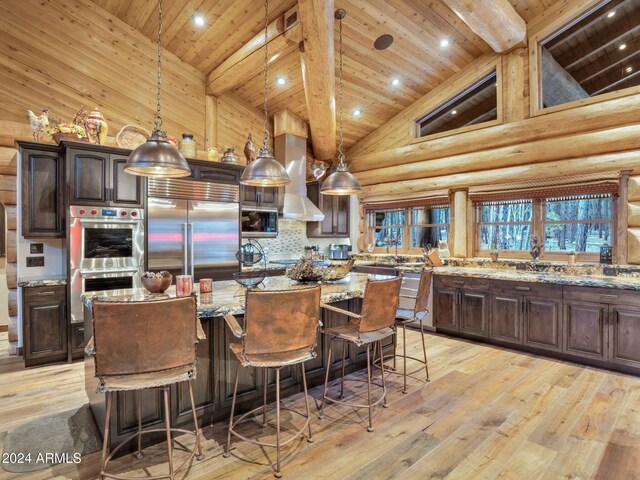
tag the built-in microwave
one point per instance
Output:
(259, 223)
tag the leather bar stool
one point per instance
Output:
(280, 329)
(145, 345)
(375, 323)
(416, 315)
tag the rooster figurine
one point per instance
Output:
(38, 122)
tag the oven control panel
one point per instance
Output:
(106, 213)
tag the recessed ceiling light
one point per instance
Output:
(453, 112)
(444, 42)
(623, 46)
(199, 20)
(628, 69)
(611, 13)
(280, 80)
(395, 82)
(357, 112)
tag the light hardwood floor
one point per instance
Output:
(487, 413)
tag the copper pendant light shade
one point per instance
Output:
(341, 181)
(157, 157)
(265, 171)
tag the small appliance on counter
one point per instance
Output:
(339, 252)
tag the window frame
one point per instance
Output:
(537, 229)
(537, 37)
(370, 227)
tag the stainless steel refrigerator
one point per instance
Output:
(193, 228)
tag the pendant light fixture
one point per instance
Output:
(157, 157)
(265, 171)
(341, 181)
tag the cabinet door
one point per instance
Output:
(506, 317)
(42, 194)
(77, 340)
(584, 329)
(249, 194)
(126, 188)
(341, 215)
(474, 313)
(45, 331)
(445, 308)
(89, 177)
(543, 323)
(267, 197)
(624, 336)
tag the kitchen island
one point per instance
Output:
(213, 386)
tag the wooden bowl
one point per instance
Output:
(157, 284)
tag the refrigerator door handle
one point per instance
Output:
(191, 247)
(185, 248)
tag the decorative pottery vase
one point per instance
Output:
(96, 127)
(249, 150)
(188, 145)
(213, 154)
(494, 256)
(229, 156)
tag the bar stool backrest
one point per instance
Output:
(144, 337)
(281, 321)
(380, 304)
(424, 289)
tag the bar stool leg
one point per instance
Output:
(199, 456)
(326, 380)
(370, 427)
(264, 397)
(384, 387)
(233, 407)
(105, 438)
(395, 349)
(167, 420)
(306, 401)
(342, 378)
(424, 350)
(138, 454)
(404, 357)
(278, 473)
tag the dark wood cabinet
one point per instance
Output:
(44, 323)
(98, 178)
(474, 313)
(624, 335)
(506, 317)
(543, 323)
(77, 342)
(445, 308)
(461, 305)
(585, 333)
(259, 197)
(43, 201)
(336, 214)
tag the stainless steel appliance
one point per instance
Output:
(106, 251)
(259, 223)
(193, 228)
(339, 252)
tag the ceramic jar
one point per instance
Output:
(184, 285)
(213, 154)
(205, 285)
(188, 145)
(96, 127)
(229, 156)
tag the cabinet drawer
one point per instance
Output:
(602, 295)
(450, 281)
(526, 288)
(44, 293)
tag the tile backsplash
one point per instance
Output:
(291, 240)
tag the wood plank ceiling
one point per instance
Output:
(415, 58)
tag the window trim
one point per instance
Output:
(495, 65)
(536, 38)
(537, 229)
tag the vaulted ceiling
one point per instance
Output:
(415, 58)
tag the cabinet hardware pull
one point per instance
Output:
(458, 282)
(43, 294)
(608, 296)
(523, 289)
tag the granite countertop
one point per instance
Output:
(627, 283)
(42, 282)
(228, 296)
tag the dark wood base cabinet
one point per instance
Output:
(44, 324)
(213, 385)
(599, 326)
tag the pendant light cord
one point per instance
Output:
(340, 151)
(157, 119)
(266, 71)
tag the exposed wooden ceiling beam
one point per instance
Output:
(318, 74)
(495, 21)
(558, 86)
(249, 59)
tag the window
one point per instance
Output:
(412, 227)
(579, 223)
(596, 54)
(475, 105)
